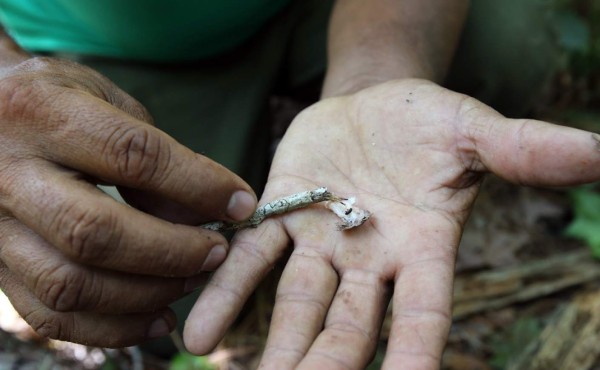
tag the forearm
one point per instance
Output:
(379, 40)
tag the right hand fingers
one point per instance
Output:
(64, 286)
(75, 128)
(67, 301)
(45, 120)
(91, 228)
(83, 327)
(53, 129)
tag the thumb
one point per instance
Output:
(535, 153)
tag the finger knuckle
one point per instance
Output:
(23, 90)
(468, 119)
(17, 98)
(305, 299)
(64, 73)
(36, 64)
(50, 325)
(139, 155)
(349, 328)
(85, 233)
(254, 251)
(62, 289)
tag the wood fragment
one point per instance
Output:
(569, 341)
(491, 290)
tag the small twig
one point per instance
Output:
(350, 215)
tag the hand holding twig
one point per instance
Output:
(351, 216)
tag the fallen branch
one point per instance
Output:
(569, 341)
(491, 290)
(350, 215)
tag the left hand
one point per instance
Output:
(413, 154)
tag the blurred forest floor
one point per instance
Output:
(527, 294)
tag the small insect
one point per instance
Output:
(351, 216)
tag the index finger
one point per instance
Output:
(94, 137)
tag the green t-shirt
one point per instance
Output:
(151, 30)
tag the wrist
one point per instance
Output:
(345, 80)
(377, 41)
(379, 58)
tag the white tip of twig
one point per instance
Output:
(350, 215)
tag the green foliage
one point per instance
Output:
(586, 224)
(187, 361)
(508, 345)
(578, 32)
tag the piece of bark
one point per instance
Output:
(569, 341)
(491, 290)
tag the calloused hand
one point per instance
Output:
(76, 264)
(413, 154)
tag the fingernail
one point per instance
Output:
(195, 282)
(241, 205)
(159, 328)
(215, 257)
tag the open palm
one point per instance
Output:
(413, 154)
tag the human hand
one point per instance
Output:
(413, 154)
(76, 264)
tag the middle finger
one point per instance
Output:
(65, 286)
(304, 294)
(349, 338)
